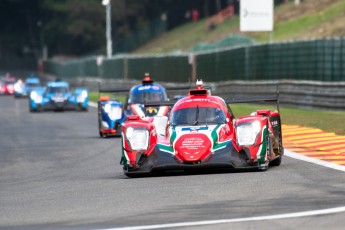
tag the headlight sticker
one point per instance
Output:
(138, 138)
(247, 132)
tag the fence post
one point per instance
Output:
(192, 60)
(125, 68)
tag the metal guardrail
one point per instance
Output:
(303, 94)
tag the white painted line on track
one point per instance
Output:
(225, 221)
(314, 160)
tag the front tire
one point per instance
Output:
(264, 166)
(276, 162)
(103, 135)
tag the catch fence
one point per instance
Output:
(318, 60)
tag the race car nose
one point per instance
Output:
(193, 147)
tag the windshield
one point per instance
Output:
(57, 90)
(141, 97)
(198, 115)
(32, 84)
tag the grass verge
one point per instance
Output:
(94, 96)
(309, 20)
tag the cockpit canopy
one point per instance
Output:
(198, 115)
(142, 97)
(147, 93)
(57, 90)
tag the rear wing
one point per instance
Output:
(159, 103)
(178, 88)
(266, 98)
(252, 99)
(261, 99)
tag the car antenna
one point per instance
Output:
(196, 115)
(206, 117)
(145, 80)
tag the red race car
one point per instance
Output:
(7, 85)
(200, 133)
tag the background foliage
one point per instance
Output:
(75, 27)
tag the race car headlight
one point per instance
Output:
(17, 87)
(36, 97)
(84, 94)
(247, 132)
(114, 112)
(81, 97)
(138, 138)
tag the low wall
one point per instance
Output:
(302, 94)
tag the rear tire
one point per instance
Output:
(118, 131)
(103, 135)
(279, 151)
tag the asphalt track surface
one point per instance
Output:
(57, 173)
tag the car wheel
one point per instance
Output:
(118, 131)
(264, 166)
(280, 151)
(276, 162)
(103, 135)
(32, 109)
(80, 108)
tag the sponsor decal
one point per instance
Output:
(151, 110)
(193, 146)
(194, 129)
(193, 143)
(147, 87)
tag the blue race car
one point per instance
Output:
(23, 89)
(57, 96)
(112, 112)
(110, 116)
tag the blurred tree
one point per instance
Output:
(75, 27)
